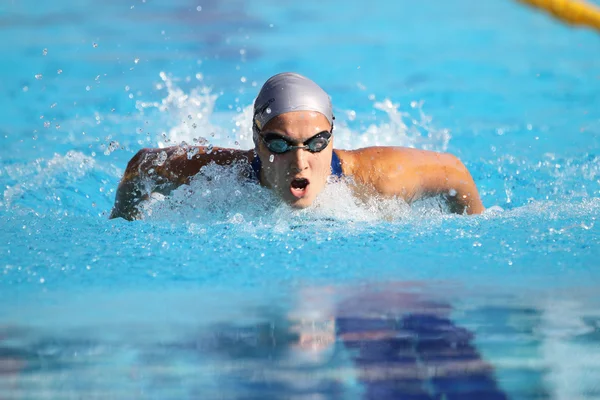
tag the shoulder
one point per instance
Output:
(381, 166)
(355, 161)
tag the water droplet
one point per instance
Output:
(199, 76)
(194, 125)
(192, 151)
(59, 71)
(160, 160)
(452, 192)
(271, 158)
(209, 149)
(268, 110)
(87, 88)
(243, 79)
(44, 52)
(236, 143)
(189, 116)
(95, 45)
(136, 60)
(199, 8)
(127, 88)
(38, 76)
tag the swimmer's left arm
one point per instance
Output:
(413, 174)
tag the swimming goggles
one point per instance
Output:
(278, 144)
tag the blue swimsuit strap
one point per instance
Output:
(336, 166)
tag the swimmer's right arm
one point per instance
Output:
(162, 171)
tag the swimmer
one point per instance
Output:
(293, 156)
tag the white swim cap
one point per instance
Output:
(287, 92)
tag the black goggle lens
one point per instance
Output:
(280, 145)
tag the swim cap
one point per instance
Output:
(287, 92)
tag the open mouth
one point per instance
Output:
(298, 186)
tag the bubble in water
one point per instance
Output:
(452, 192)
(243, 79)
(209, 149)
(38, 76)
(271, 158)
(59, 71)
(199, 8)
(44, 52)
(47, 124)
(87, 88)
(95, 44)
(268, 110)
(136, 60)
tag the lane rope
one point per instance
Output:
(576, 12)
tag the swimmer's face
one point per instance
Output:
(298, 175)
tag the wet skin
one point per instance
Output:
(298, 176)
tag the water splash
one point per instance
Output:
(187, 114)
(191, 117)
(67, 182)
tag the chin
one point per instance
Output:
(300, 203)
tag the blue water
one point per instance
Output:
(222, 292)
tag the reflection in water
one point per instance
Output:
(379, 344)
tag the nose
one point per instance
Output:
(298, 161)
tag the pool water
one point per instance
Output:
(221, 291)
